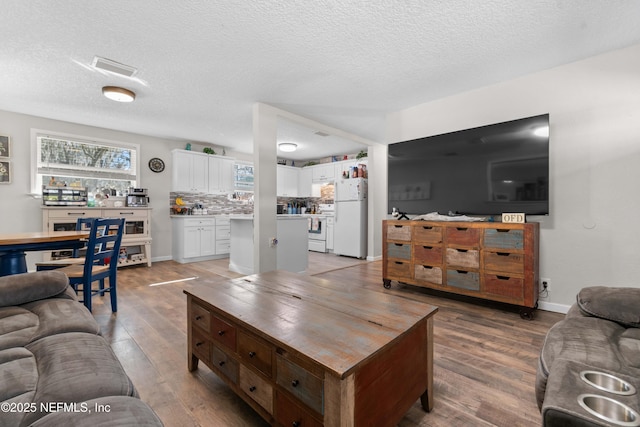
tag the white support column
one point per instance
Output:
(265, 132)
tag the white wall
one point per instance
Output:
(20, 212)
(590, 237)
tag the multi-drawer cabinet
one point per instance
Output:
(488, 260)
(280, 341)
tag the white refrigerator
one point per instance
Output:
(350, 232)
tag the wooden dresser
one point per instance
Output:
(489, 260)
(304, 351)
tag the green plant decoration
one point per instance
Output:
(361, 154)
(208, 150)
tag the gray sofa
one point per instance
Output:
(589, 366)
(55, 367)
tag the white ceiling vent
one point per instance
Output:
(113, 67)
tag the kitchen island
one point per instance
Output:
(292, 244)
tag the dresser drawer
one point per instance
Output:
(427, 234)
(468, 258)
(501, 238)
(430, 255)
(512, 287)
(463, 279)
(398, 269)
(399, 250)
(399, 232)
(255, 352)
(226, 364)
(201, 345)
(256, 388)
(291, 413)
(223, 233)
(223, 247)
(463, 236)
(223, 332)
(300, 383)
(504, 262)
(201, 317)
(428, 273)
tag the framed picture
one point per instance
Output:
(5, 146)
(5, 171)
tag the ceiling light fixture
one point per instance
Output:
(542, 131)
(288, 147)
(119, 94)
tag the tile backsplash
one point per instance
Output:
(216, 204)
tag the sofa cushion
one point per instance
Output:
(27, 323)
(18, 289)
(75, 367)
(121, 411)
(617, 304)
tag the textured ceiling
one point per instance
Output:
(203, 64)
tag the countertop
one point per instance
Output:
(279, 217)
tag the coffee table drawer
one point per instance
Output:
(201, 345)
(300, 383)
(226, 364)
(290, 413)
(255, 352)
(256, 388)
(201, 317)
(223, 332)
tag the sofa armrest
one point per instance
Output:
(20, 289)
(619, 305)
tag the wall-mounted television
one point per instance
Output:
(488, 170)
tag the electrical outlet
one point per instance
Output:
(544, 283)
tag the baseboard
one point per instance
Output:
(551, 306)
(161, 258)
(374, 258)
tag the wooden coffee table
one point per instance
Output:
(307, 351)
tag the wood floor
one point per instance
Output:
(484, 355)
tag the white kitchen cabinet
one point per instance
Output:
(324, 172)
(305, 180)
(190, 171)
(194, 239)
(220, 174)
(223, 236)
(287, 181)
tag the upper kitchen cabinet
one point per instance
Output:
(324, 172)
(221, 174)
(190, 171)
(305, 182)
(201, 173)
(287, 181)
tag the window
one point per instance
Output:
(243, 176)
(79, 161)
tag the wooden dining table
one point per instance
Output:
(13, 246)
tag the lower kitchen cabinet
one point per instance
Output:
(195, 238)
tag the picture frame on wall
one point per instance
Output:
(5, 146)
(5, 171)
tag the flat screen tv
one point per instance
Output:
(488, 170)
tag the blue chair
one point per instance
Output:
(81, 224)
(101, 261)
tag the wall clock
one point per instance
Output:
(156, 165)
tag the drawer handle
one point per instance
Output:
(252, 388)
(398, 226)
(462, 272)
(462, 250)
(461, 228)
(428, 247)
(428, 267)
(221, 363)
(198, 317)
(252, 353)
(221, 333)
(398, 244)
(399, 262)
(502, 230)
(427, 227)
(198, 344)
(295, 383)
(296, 424)
(502, 253)
(503, 277)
